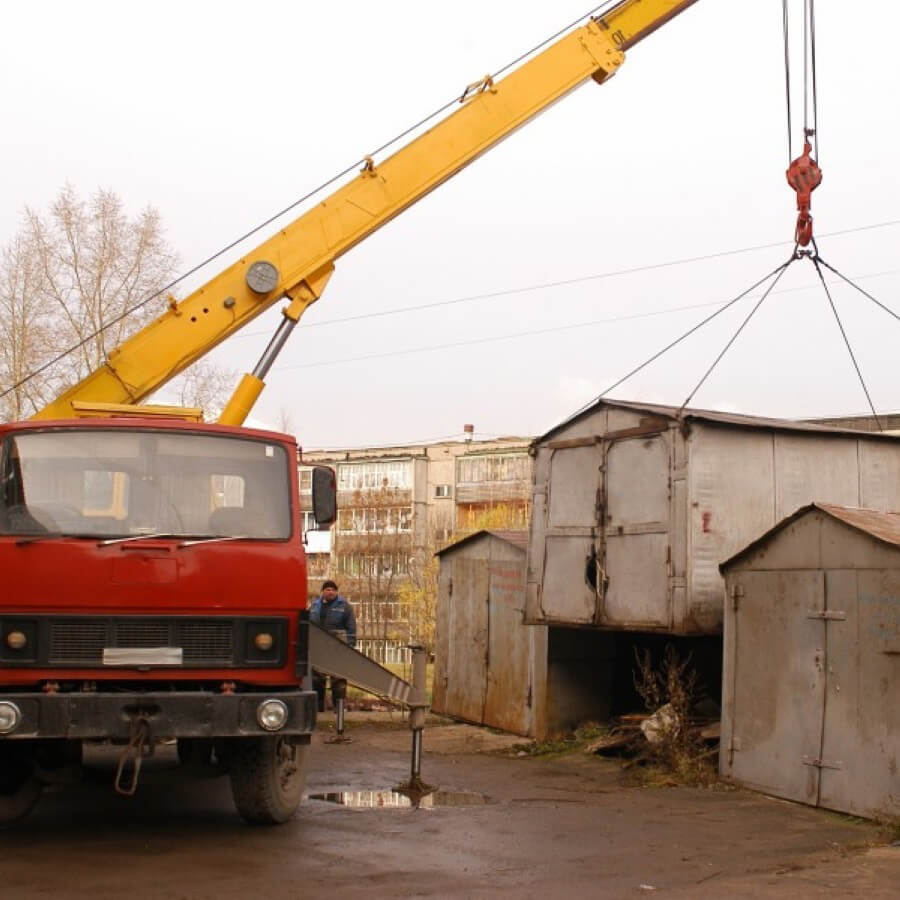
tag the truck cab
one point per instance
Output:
(154, 581)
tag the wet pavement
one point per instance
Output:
(527, 827)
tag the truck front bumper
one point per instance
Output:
(98, 716)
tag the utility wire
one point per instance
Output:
(344, 172)
(735, 336)
(815, 261)
(566, 282)
(522, 334)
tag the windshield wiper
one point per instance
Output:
(137, 537)
(210, 540)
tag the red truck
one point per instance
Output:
(154, 580)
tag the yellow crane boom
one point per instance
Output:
(297, 261)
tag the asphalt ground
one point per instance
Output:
(528, 827)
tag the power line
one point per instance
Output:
(566, 282)
(550, 330)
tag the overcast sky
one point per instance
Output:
(220, 114)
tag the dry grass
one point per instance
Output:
(679, 756)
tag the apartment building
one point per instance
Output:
(397, 506)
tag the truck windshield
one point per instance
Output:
(105, 483)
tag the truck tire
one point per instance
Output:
(19, 789)
(267, 778)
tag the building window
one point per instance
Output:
(442, 490)
(496, 467)
(385, 612)
(317, 564)
(385, 652)
(361, 476)
(376, 564)
(375, 520)
(510, 514)
(305, 473)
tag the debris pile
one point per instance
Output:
(642, 738)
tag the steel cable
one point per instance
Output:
(859, 374)
(853, 284)
(774, 273)
(815, 92)
(787, 76)
(735, 336)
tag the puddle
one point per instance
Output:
(398, 800)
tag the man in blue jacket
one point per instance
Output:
(334, 613)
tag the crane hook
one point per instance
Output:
(804, 176)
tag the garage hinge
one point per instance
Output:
(820, 763)
(737, 591)
(833, 614)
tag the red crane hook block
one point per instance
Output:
(804, 176)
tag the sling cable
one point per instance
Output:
(803, 175)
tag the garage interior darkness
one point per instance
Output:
(591, 673)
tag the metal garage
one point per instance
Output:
(485, 656)
(812, 661)
(635, 506)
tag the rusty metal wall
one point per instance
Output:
(812, 668)
(632, 513)
(490, 668)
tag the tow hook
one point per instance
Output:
(139, 742)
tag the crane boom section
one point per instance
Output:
(297, 261)
(633, 20)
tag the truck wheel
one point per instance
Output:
(19, 789)
(267, 778)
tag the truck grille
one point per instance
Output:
(206, 640)
(77, 642)
(141, 634)
(71, 641)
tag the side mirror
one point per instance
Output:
(324, 496)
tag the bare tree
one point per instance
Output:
(26, 328)
(97, 265)
(76, 277)
(372, 555)
(286, 421)
(205, 385)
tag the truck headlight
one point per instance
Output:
(272, 714)
(263, 641)
(10, 717)
(16, 640)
